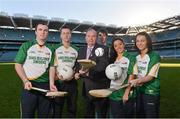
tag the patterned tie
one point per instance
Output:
(88, 53)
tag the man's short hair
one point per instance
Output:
(104, 31)
(65, 27)
(42, 22)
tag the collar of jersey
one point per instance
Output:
(125, 53)
(35, 42)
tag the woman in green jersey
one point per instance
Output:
(148, 63)
(122, 101)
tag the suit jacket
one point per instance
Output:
(96, 78)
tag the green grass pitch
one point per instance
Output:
(10, 92)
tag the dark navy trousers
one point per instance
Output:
(118, 109)
(70, 99)
(32, 101)
(147, 106)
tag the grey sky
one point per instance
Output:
(118, 12)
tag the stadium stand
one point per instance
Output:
(16, 29)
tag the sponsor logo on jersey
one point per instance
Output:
(141, 69)
(59, 52)
(73, 53)
(39, 51)
(66, 51)
(150, 91)
(32, 52)
(124, 63)
(47, 53)
(144, 62)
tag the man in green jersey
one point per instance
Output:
(65, 54)
(33, 61)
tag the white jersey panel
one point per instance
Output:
(37, 61)
(142, 64)
(66, 56)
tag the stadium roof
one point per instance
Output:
(24, 21)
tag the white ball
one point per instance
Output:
(65, 71)
(99, 52)
(113, 71)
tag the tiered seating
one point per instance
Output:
(6, 56)
(167, 35)
(78, 38)
(166, 43)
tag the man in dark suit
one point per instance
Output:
(93, 78)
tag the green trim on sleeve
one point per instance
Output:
(22, 53)
(53, 54)
(155, 58)
(132, 62)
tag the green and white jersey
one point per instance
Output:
(36, 60)
(65, 56)
(149, 65)
(127, 62)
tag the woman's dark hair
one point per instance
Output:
(148, 38)
(113, 53)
